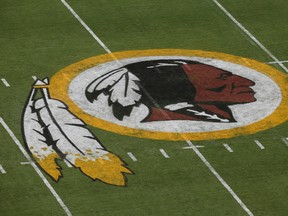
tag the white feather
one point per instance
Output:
(106, 80)
(125, 91)
(73, 139)
(36, 140)
(34, 134)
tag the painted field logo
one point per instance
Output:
(174, 94)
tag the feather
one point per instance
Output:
(36, 140)
(80, 147)
(125, 91)
(122, 87)
(103, 83)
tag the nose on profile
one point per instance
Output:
(241, 81)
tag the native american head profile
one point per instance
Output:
(173, 89)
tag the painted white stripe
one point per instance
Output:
(192, 146)
(34, 78)
(86, 26)
(164, 153)
(27, 156)
(273, 62)
(132, 156)
(2, 170)
(221, 180)
(259, 144)
(250, 35)
(228, 147)
(5, 82)
(67, 163)
(25, 163)
(197, 146)
(285, 140)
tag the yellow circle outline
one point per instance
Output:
(61, 80)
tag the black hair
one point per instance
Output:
(163, 81)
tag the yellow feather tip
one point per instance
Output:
(109, 169)
(49, 165)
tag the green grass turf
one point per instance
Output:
(39, 38)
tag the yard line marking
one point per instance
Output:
(5, 82)
(67, 163)
(273, 62)
(253, 38)
(197, 146)
(2, 170)
(259, 144)
(192, 146)
(89, 30)
(132, 156)
(34, 78)
(285, 140)
(27, 156)
(86, 27)
(228, 147)
(164, 153)
(25, 163)
(216, 174)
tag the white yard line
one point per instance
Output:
(2, 170)
(189, 143)
(29, 159)
(285, 61)
(228, 147)
(25, 163)
(164, 153)
(34, 78)
(86, 27)
(221, 180)
(132, 156)
(252, 37)
(5, 82)
(259, 144)
(197, 146)
(67, 163)
(285, 140)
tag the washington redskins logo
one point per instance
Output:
(174, 94)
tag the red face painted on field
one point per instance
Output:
(214, 85)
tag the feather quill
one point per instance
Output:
(35, 137)
(77, 143)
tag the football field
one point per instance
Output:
(242, 174)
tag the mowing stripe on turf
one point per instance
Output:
(228, 147)
(132, 156)
(164, 153)
(259, 144)
(5, 82)
(189, 142)
(2, 170)
(216, 174)
(253, 38)
(27, 156)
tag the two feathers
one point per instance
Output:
(52, 132)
